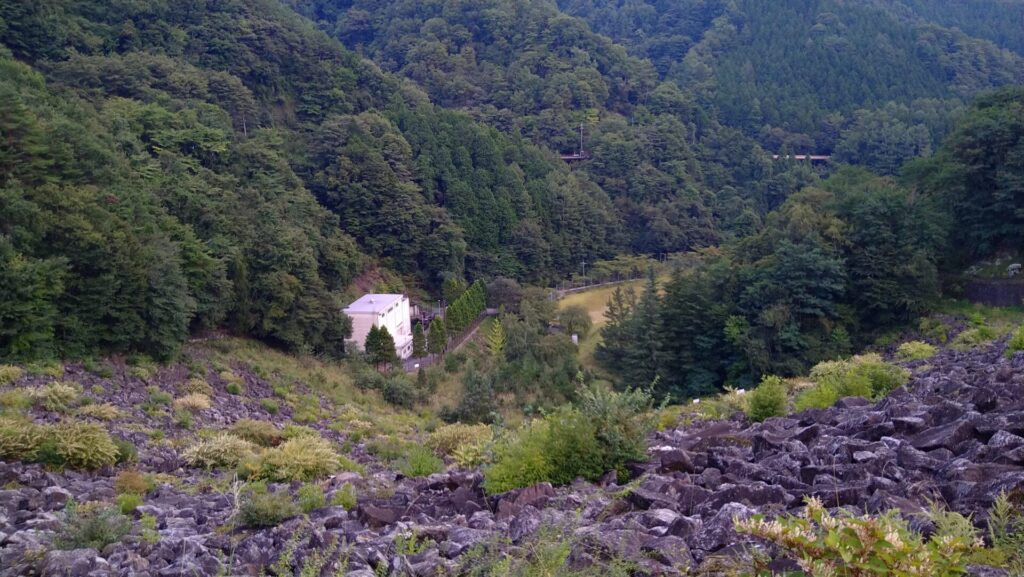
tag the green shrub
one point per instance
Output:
(220, 450)
(91, 526)
(147, 526)
(419, 461)
(262, 433)
(261, 508)
(934, 329)
(368, 379)
(299, 459)
(973, 337)
(198, 386)
(291, 431)
(865, 376)
(128, 502)
(102, 411)
(399, 391)
(183, 418)
(19, 439)
(520, 460)
(1016, 342)
(454, 361)
(820, 396)
(57, 397)
(448, 438)
(387, 448)
(233, 388)
(345, 497)
(83, 445)
(98, 368)
(9, 374)
(844, 544)
(46, 369)
(158, 397)
(270, 405)
(15, 401)
(769, 399)
(917, 351)
(311, 498)
(607, 431)
(126, 451)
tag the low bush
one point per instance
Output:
(973, 337)
(57, 396)
(196, 385)
(15, 401)
(311, 498)
(917, 351)
(46, 369)
(91, 526)
(19, 439)
(98, 368)
(126, 451)
(270, 405)
(83, 445)
(128, 502)
(102, 411)
(399, 391)
(606, 432)
(1016, 342)
(768, 400)
(454, 361)
(262, 433)
(824, 544)
(233, 388)
(934, 329)
(448, 438)
(261, 508)
(184, 418)
(291, 431)
(192, 402)
(220, 450)
(9, 374)
(158, 397)
(132, 481)
(419, 461)
(865, 376)
(345, 497)
(299, 459)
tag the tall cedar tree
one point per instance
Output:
(419, 342)
(437, 337)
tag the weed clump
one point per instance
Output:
(262, 433)
(915, 351)
(220, 450)
(91, 526)
(58, 397)
(299, 459)
(769, 399)
(261, 508)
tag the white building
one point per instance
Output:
(382, 310)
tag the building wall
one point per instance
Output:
(396, 319)
(361, 324)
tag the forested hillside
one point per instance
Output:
(816, 75)
(839, 264)
(162, 163)
(679, 179)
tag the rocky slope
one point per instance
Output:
(954, 434)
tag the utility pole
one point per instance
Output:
(582, 153)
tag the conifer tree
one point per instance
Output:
(384, 353)
(437, 338)
(419, 342)
(496, 339)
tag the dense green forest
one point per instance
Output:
(839, 264)
(172, 167)
(162, 163)
(801, 74)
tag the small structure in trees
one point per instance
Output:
(383, 311)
